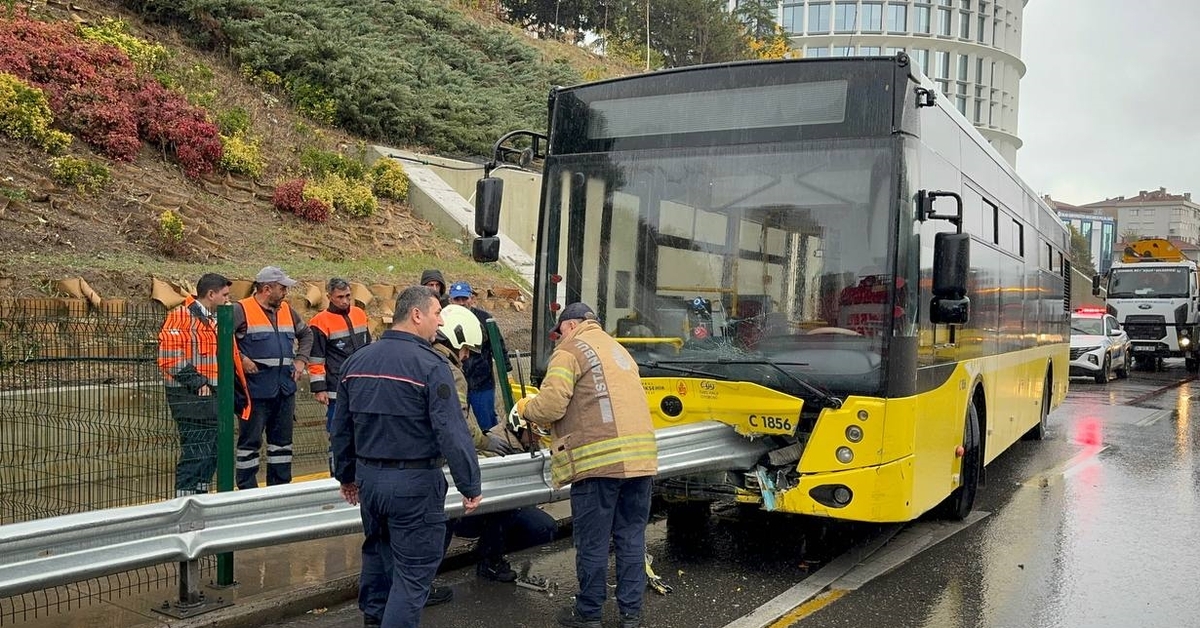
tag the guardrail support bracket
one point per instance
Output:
(192, 600)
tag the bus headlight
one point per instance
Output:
(854, 434)
(844, 455)
(1184, 342)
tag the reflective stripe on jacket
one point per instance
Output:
(335, 337)
(271, 347)
(593, 400)
(187, 352)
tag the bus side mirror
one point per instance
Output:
(951, 265)
(485, 249)
(1095, 285)
(488, 192)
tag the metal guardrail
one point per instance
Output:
(59, 550)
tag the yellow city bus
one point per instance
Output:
(818, 252)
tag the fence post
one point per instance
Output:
(227, 380)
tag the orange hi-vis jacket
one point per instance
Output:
(335, 337)
(187, 352)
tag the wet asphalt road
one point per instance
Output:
(1099, 525)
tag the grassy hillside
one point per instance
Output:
(475, 79)
(418, 72)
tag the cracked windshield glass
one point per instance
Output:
(770, 265)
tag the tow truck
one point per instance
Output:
(1153, 292)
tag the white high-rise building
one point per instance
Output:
(971, 48)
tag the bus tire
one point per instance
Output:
(1038, 432)
(1192, 363)
(960, 502)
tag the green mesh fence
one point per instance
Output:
(84, 423)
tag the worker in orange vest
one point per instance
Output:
(338, 331)
(268, 332)
(187, 357)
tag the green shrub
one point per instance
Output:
(240, 155)
(149, 58)
(25, 115)
(82, 174)
(353, 198)
(233, 121)
(264, 79)
(388, 180)
(312, 101)
(319, 162)
(170, 227)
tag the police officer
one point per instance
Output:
(603, 445)
(396, 422)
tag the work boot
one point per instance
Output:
(371, 622)
(631, 621)
(569, 618)
(439, 595)
(495, 569)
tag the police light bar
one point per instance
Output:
(1089, 310)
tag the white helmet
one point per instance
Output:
(461, 327)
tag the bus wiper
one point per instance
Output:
(681, 369)
(822, 395)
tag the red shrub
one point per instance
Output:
(315, 210)
(289, 196)
(96, 93)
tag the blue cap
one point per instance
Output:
(460, 289)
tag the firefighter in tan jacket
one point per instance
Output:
(602, 443)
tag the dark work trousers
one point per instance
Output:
(404, 524)
(604, 509)
(503, 532)
(275, 415)
(483, 404)
(196, 419)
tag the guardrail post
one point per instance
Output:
(191, 600)
(227, 378)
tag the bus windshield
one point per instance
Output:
(767, 263)
(1149, 282)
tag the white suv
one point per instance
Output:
(1099, 347)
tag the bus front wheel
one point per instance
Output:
(959, 504)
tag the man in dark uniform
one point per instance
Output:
(396, 422)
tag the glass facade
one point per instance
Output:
(1100, 233)
(958, 43)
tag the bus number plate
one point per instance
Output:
(775, 423)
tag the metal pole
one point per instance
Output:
(493, 331)
(226, 381)
(647, 35)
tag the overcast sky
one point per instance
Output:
(1110, 101)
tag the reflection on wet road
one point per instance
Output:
(1099, 525)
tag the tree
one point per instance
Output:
(1081, 253)
(777, 46)
(684, 32)
(759, 18)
